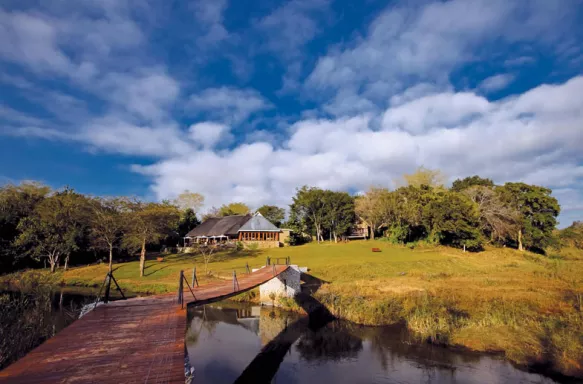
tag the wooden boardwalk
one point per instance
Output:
(139, 340)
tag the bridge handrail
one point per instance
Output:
(276, 260)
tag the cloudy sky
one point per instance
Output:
(246, 100)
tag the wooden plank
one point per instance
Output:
(137, 340)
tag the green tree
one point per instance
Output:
(406, 220)
(55, 228)
(273, 213)
(339, 213)
(453, 219)
(233, 209)
(148, 223)
(424, 176)
(572, 236)
(538, 213)
(461, 184)
(107, 224)
(308, 209)
(374, 208)
(16, 203)
(188, 221)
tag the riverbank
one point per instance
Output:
(523, 305)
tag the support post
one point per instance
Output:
(235, 282)
(247, 268)
(118, 287)
(180, 298)
(107, 287)
(194, 278)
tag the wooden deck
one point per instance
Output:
(139, 340)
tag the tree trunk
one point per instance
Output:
(53, 264)
(372, 232)
(110, 257)
(335, 237)
(520, 240)
(143, 258)
(66, 262)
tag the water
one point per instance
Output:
(29, 318)
(232, 342)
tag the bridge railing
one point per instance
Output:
(278, 260)
(107, 285)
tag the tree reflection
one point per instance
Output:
(328, 343)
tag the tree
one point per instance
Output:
(339, 213)
(107, 224)
(460, 185)
(538, 213)
(272, 213)
(233, 209)
(572, 236)
(55, 227)
(373, 208)
(188, 221)
(16, 203)
(423, 176)
(189, 200)
(453, 219)
(207, 252)
(148, 223)
(498, 220)
(406, 219)
(308, 208)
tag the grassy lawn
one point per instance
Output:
(524, 305)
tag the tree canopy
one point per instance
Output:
(274, 214)
(233, 209)
(189, 200)
(538, 212)
(472, 181)
(424, 176)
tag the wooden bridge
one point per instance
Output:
(139, 340)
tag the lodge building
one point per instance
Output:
(248, 229)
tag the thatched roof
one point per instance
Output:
(258, 223)
(217, 226)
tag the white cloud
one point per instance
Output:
(147, 94)
(496, 82)
(444, 109)
(349, 153)
(413, 42)
(291, 26)
(210, 15)
(208, 134)
(227, 104)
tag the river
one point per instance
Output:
(232, 342)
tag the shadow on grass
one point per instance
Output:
(157, 270)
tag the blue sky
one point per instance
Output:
(246, 100)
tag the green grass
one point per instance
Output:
(523, 305)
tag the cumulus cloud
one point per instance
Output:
(496, 82)
(208, 134)
(210, 15)
(532, 137)
(381, 102)
(424, 41)
(227, 104)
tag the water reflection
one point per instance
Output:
(233, 342)
(30, 317)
